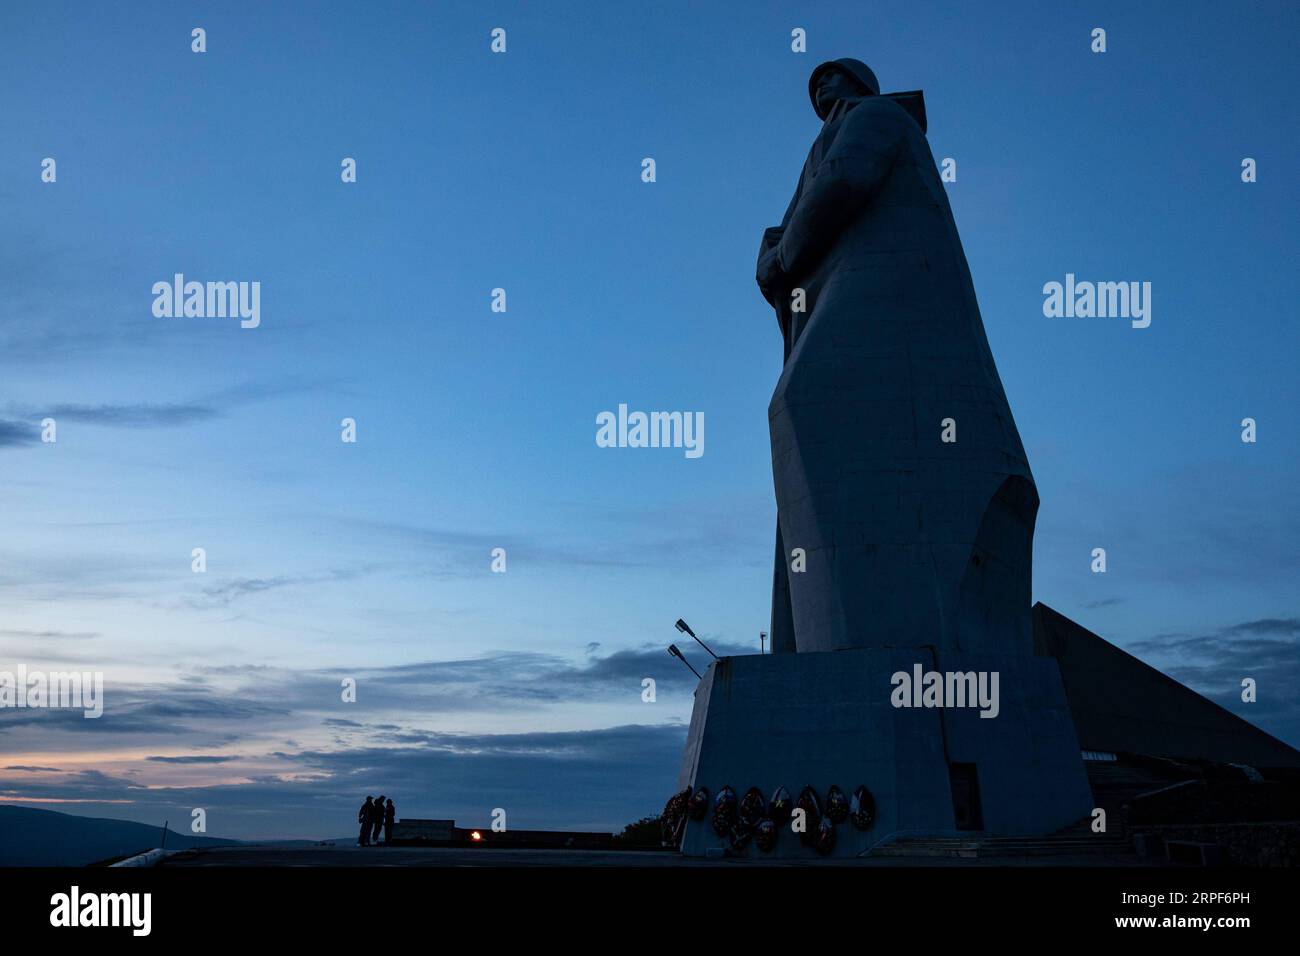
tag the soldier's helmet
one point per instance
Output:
(856, 69)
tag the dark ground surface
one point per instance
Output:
(350, 856)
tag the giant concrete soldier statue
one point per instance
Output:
(903, 491)
(905, 513)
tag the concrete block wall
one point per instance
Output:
(826, 718)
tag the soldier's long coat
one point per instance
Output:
(907, 539)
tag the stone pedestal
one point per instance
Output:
(826, 718)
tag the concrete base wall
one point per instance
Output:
(413, 829)
(826, 718)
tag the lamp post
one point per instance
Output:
(672, 649)
(686, 629)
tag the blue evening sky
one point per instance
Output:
(476, 429)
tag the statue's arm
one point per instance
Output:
(772, 234)
(848, 177)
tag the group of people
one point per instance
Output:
(373, 815)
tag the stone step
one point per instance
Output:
(1016, 841)
(1006, 847)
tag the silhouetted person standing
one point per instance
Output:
(365, 817)
(389, 814)
(377, 819)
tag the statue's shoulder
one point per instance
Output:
(878, 112)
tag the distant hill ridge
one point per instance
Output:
(31, 837)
